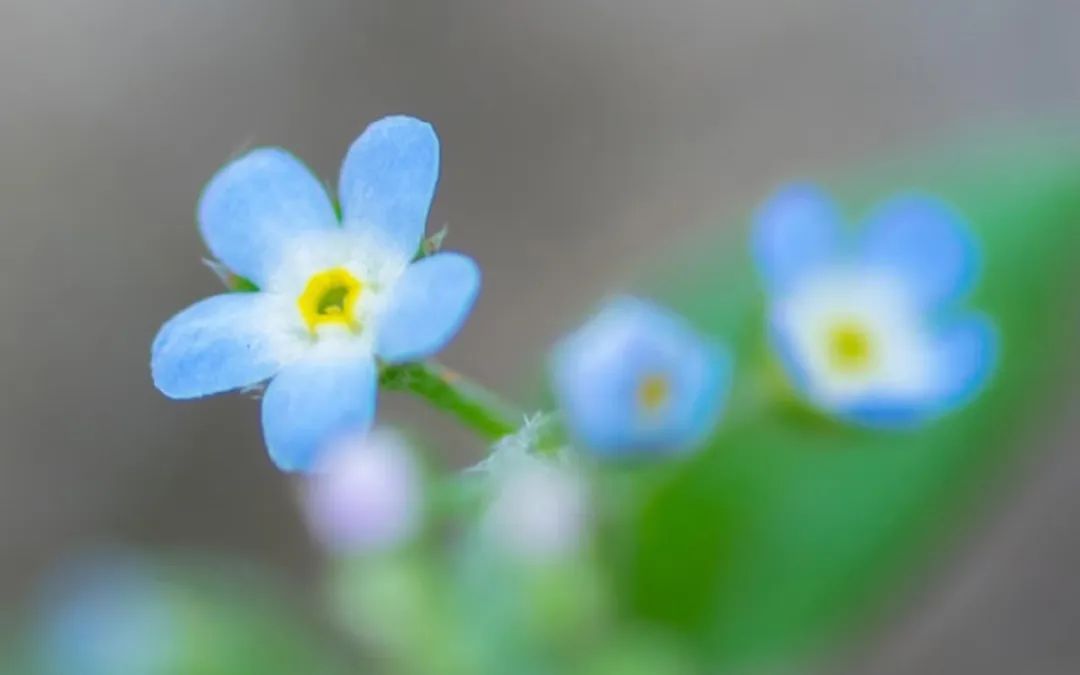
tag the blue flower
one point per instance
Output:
(333, 295)
(868, 327)
(638, 379)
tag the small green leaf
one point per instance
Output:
(433, 243)
(234, 282)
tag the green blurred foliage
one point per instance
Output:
(235, 622)
(787, 532)
(790, 528)
(225, 619)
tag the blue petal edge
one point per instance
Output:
(252, 208)
(388, 180)
(312, 402)
(928, 243)
(795, 231)
(966, 353)
(217, 344)
(428, 307)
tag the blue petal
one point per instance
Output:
(587, 381)
(220, 343)
(596, 373)
(928, 243)
(702, 380)
(428, 306)
(795, 231)
(887, 413)
(314, 401)
(388, 180)
(793, 365)
(965, 356)
(252, 207)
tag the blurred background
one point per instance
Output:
(578, 137)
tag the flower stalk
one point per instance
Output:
(483, 411)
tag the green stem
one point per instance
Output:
(480, 409)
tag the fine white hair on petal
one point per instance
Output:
(878, 304)
(365, 495)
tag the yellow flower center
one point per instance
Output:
(850, 346)
(653, 392)
(330, 298)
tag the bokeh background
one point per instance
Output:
(579, 138)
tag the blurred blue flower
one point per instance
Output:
(868, 327)
(106, 615)
(638, 379)
(365, 494)
(333, 295)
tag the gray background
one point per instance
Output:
(577, 137)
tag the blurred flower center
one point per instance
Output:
(850, 347)
(653, 392)
(330, 298)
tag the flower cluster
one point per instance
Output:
(504, 567)
(868, 328)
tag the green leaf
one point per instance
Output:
(433, 243)
(233, 282)
(790, 529)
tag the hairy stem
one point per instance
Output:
(478, 408)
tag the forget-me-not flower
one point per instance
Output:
(867, 326)
(639, 379)
(334, 295)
